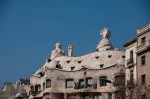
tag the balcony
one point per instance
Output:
(143, 47)
(130, 61)
(143, 29)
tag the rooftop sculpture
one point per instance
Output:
(104, 44)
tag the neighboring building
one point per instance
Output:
(130, 66)
(143, 54)
(15, 91)
(137, 52)
(97, 75)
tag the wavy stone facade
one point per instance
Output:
(98, 75)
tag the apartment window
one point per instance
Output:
(89, 82)
(97, 96)
(143, 79)
(143, 60)
(71, 97)
(143, 40)
(86, 97)
(48, 83)
(103, 81)
(131, 75)
(110, 96)
(131, 54)
(81, 83)
(69, 83)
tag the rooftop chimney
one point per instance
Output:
(70, 50)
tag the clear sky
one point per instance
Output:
(29, 29)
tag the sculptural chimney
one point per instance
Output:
(70, 50)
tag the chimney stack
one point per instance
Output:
(70, 50)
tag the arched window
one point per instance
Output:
(48, 83)
(43, 85)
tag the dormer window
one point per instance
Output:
(68, 61)
(101, 65)
(72, 68)
(109, 56)
(97, 57)
(123, 56)
(79, 62)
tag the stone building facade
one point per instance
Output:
(137, 52)
(97, 75)
(19, 90)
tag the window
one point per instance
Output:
(32, 89)
(109, 56)
(38, 87)
(69, 83)
(131, 54)
(43, 85)
(101, 65)
(131, 76)
(71, 97)
(143, 79)
(97, 96)
(103, 81)
(89, 82)
(72, 68)
(68, 61)
(81, 83)
(86, 97)
(97, 57)
(143, 40)
(48, 83)
(79, 62)
(110, 96)
(143, 60)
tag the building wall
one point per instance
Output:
(88, 68)
(132, 66)
(144, 69)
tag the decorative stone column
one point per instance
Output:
(78, 96)
(113, 95)
(105, 95)
(65, 95)
(91, 96)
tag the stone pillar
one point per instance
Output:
(65, 95)
(105, 95)
(113, 95)
(91, 96)
(78, 96)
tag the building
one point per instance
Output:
(130, 66)
(15, 91)
(97, 75)
(143, 54)
(137, 52)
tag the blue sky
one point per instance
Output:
(29, 29)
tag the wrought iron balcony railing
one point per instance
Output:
(130, 61)
(143, 46)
